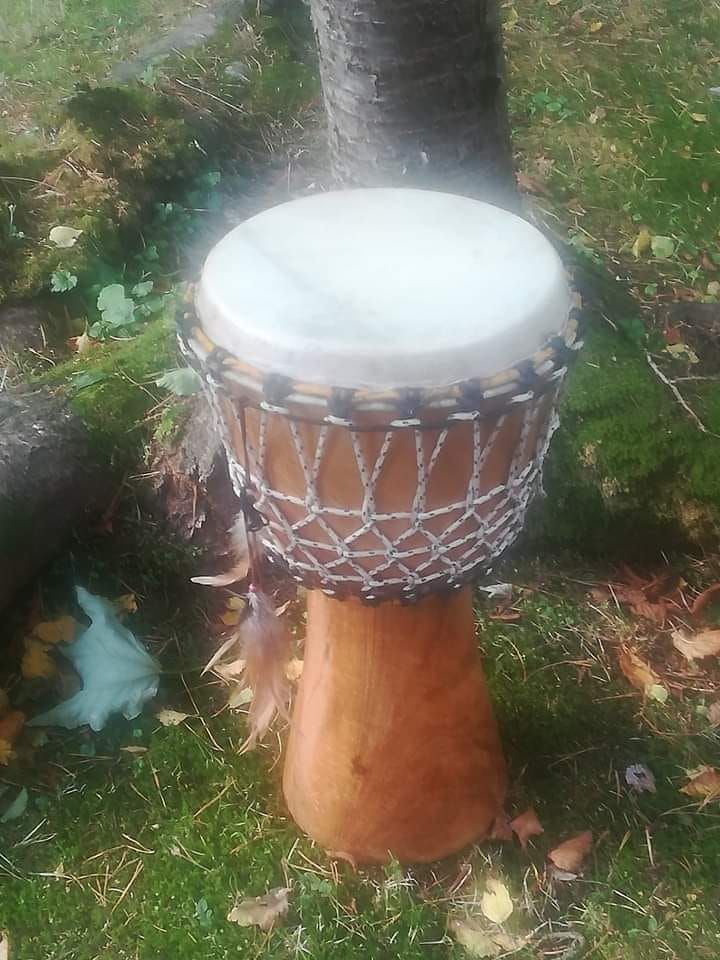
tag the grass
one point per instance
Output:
(141, 854)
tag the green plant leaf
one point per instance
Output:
(62, 281)
(142, 289)
(662, 247)
(116, 309)
(78, 381)
(183, 382)
(17, 808)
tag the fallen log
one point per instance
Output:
(50, 482)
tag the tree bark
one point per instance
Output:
(49, 482)
(414, 95)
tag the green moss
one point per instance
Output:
(114, 406)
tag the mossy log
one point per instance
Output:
(50, 481)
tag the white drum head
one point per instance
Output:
(383, 289)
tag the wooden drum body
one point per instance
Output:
(388, 474)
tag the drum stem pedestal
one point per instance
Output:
(393, 749)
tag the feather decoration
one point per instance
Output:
(264, 645)
(261, 651)
(240, 549)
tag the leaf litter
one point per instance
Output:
(264, 912)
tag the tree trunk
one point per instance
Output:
(414, 95)
(49, 482)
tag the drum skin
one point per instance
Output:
(393, 749)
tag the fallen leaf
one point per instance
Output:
(4, 946)
(526, 826)
(81, 345)
(473, 934)
(62, 630)
(17, 808)
(11, 725)
(699, 117)
(36, 662)
(496, 902)
(6, 753)
(263, 912)
(706, 643)
(640, 674)
(569, 856)
(64, 237)
(658, 692)
(240, 697)
(598, 114)
(501, 829)
(704, 783)
(596, 26)
(640, 778)
(642, 243)
(294, 669)
(713, 713)
(504, 615)
(231, 618)
(171, 718)
(704, 598)
(127, 603)
(118, 674)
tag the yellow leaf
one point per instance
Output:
(231, 618)
(294, 669)
(596, 26)
(642, 243)
(127, 603)
(496, 903)
(36, 662)
(171, 718)
(511, 18)
(62, 630)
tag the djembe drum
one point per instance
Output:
(384, 365)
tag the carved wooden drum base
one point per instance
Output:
(393, 749)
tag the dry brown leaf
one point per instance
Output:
(62, 630)
(263, 912)
(704, 783)
(36, 662)
(11, 725)
(640, 674)
(704, 598)
(480, 940)
(171, 718)
(496, 902)
(526, 826)
(501, 829)
(569, 856)
(706, 643)
(713, 713)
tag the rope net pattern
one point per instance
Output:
(371, 552)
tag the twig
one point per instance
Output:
(206, 93)
(678, 396)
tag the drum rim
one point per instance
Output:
(314, 403)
